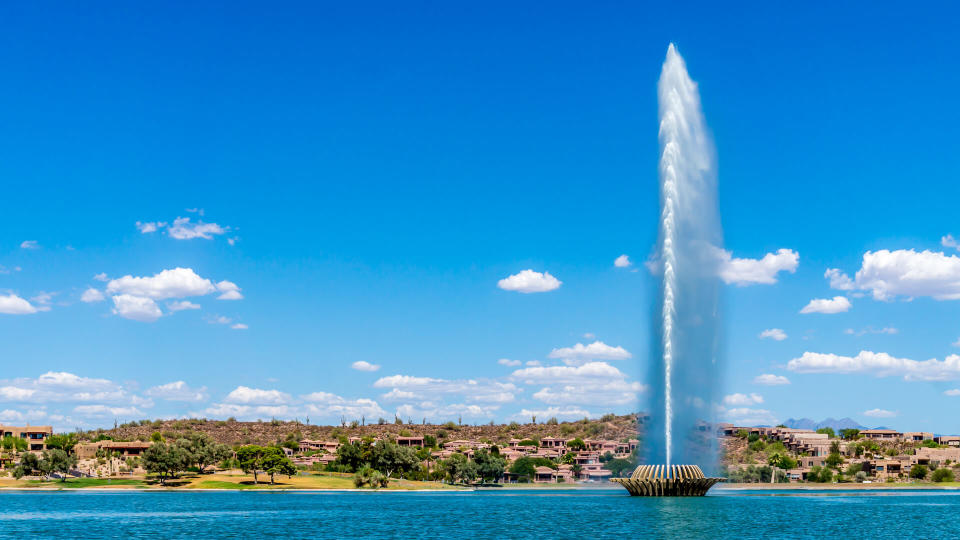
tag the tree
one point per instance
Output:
(833, 460)
(577, 445)
(820, 474)
(618, 466)
(203, 450)
(59, 461)
(429, 441)
(64, 442)
(16, 444)
(459, 469)
(850, 434)
(29, 462)
(251, 458)
(389, 458)
(489, 466)
(942, 475)
(276, 462)
(828, 430)
(782, 461)
(165, 460)
(919, 471)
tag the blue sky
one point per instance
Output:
(373, 173)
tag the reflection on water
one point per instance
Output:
(598, 513)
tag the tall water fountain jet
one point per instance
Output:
(687, 319)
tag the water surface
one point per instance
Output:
(527, 514)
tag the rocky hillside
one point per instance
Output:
(264, 432)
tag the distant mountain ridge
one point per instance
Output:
(837, 425)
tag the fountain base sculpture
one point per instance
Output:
(664, 481)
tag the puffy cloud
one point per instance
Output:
(746, 416)
(183, 229)
(102, 276)
(440, 412)
(904, 272)
(871, 330)
(837, 304)
(775, 334)
(178, 391)
(622, 261)
(239, 326)
(580, 353)
(104, 410)
(61, 386)
(839, 280)
(528, 281)
(43, 300)
(29, 244)
(952, 392)
(879, 413)
(756, 271)
(230, 291)
(326, 405)
(12, 304)
(508, 362)
(137, 308)
(742, 400)
(879, 365)
(469, 390)
(256, 396)
(174, 283)
(607, 394)
(949, 241)
(769, 379)
(182, 305)
(149, 226)
(560, 413)
(252, 412)
(362, 365)
(14, 393)
(568, 374)
(91, 295)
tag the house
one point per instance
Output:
(124, 449)
(935, 457)
(543, 475)
(307, 445)
(882, 434)
(948, 440)
(553, 442)
(416, 441)
(36, 436)
(917, 436)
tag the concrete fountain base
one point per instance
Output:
(664, 481)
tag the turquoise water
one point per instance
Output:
(487, 514)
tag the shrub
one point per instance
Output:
(918, 471)
(942, 475)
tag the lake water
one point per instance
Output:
(527, 514)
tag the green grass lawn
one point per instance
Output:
(86, 482)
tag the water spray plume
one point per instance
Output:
(688, 319)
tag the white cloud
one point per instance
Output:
(560, 413)
(607, 394)
(256, 396)
(102, 276)
(952, 392)
(529, 281)
(622, 261)
(879, 413)
(770, 379)
(239, 326)
(756, 271)
(870, 330)
(508, 362)
(746, 416)
(837, 304)
(43, 300)
(879, 365)
(839, 280)
(775, 334)
(29, 244)
(91, 295)
(481, 391)
(219, 319)
(949, 241)
(183, 229)
(580, 353)
(326, 405)
(230, 291)
(904, 272)
(137, 308)
(178, 391)
(14, 393)
(104, 410)
(742, 400)
(253, 412)
(440, 412)
(12, 304)
(149, 226)
(182, 305)
(174, 283)
(362, 365)
(400, 395)
(568, 374)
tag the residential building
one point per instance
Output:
(882, 434)
(36, 436)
